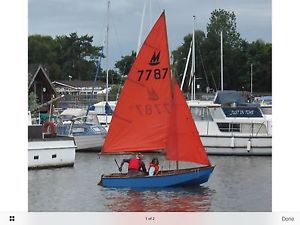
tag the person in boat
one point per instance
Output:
(153, 167)
(136, 166)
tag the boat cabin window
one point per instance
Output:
(53, 156)
(254, 128)
(99, 129)
(92, 119)
(100, 110)
(63, 129)
(36, 157)
(266, 110)
(229, 127)
(96, 129)
(200, 113)
(78, 130)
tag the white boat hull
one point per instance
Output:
(232, 135)
(239, 151)
(52, 152)
(237, 145)
(89, 142)
(102, 119)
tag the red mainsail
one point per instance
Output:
(140, 120)
(152, 113)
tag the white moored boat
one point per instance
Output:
(235, 129)
(48, 150)
(105, 114)
(88, 134)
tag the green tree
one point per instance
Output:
(77, 56)
(208, 53)
(41, 49)
(225, 22)
(125, 63)
(259, 54)
(65, 55)
(233, 56)
(180, 58)
(113, 77)
(238, 55)
(114, 92)
(32, 102)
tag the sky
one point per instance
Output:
(62, 17)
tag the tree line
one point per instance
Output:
(238, 55)
(76, 56)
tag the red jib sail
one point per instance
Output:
(152, 113)
(183, 143)
(140, 120)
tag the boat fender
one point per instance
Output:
(151, 171)
(249, 145)
(49, 125)
(232, 142)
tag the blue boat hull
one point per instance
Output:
(193, 176)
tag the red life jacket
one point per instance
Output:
(156, 167)
(134, 164)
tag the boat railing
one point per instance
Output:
(261, 125)
(266, 124)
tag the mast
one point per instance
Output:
(50, 108)
(95, 80)
(107, 32)
(186, 66)
(194, 56)
(192, 80)
(222, 61)
(193, 64)
(191, 72)
(141, 29)
(150, 13)
(251, 77)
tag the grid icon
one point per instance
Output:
(11, 218)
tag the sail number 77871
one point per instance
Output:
(156, 73)
(149, 109)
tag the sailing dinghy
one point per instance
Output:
(152, 114)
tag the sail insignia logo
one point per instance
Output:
(155, 59)
(152, 95)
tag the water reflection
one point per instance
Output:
(185, 199)
(237, 184)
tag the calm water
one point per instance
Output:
(237, 184)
